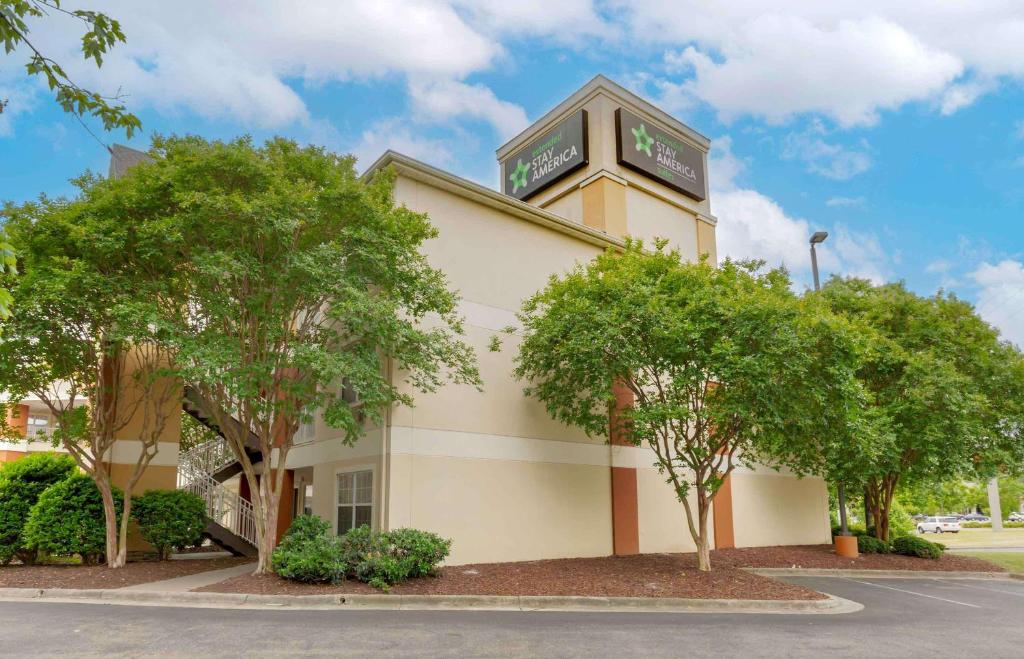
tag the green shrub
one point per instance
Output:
(21, 484)
(988, 525)
(68, 519)
(909, 545)
(421, 550)
(309, 552)
(384, 559)
(867, 544)
(170, 519)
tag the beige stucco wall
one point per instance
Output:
(775, 509)
(504, 510)
(662, 517)
(650, 218)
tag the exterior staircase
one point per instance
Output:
(202, 471)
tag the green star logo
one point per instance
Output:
(643, 140)
(518, 176)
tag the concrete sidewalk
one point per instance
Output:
(192, 581)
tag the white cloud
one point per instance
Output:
(239, 62)
(849, 60)
(395, 134)
(826, 159)
(538, 18)
(938, 267)
(753, 225)
(1001, 297)
(964, 94)
(845, 202)
(445, 100)
(19, 100)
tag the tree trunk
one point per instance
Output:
(110, 518)
(703, 544)
(270, 501)
(122, 537)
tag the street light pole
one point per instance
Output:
(818, 238)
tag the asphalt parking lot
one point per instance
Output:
(901, 618)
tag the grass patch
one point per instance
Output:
(1012, 561)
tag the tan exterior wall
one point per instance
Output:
(504, 510)
(662, 518)
(776, 509)
(650, 218)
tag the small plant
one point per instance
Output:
(867, 544)
(309, 553)
(909, 545)
(21, 484)
(169, 519)
(422, 551)
(68, 519)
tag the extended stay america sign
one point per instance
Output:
(654, 152)
(558, 152)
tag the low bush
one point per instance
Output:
(169, 519)
(68, 519)
(913, 546)
(988, 525)
(867, 544)
(21, 484)
(309, 553)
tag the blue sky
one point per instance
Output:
(900, 131)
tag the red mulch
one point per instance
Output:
(647, 575)
(822, 556)
(100, 576)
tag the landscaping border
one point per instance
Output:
(830, 605)
(880, 574)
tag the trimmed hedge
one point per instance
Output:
(988, 525)
(21, 484)
(309, 552)
(913, 546)
(867, 544)
(68, 519)
(170, 519)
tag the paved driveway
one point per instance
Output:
(902, 618)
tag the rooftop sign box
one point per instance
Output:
(655, 152)
(557, 153)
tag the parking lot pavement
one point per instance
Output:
(902, 618)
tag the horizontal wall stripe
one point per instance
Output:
(127, 451)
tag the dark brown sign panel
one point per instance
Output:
(653, 151)
(558, 152)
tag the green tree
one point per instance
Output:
(724, 366)
(8, 268)
(297, 276)
(21, 484)
(82, 341)
(101, 34)
(940, 385)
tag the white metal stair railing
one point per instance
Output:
(223, 506)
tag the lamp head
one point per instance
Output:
(819, 237)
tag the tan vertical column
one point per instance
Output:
(722, 508)
(604, 209)
(625, 508)
(604, 205)
(706, 241)
(17, 420)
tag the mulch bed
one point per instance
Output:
(822, 556)
(100, 576)
(647, 575)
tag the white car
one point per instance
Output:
(939, 525)
(1016, 517)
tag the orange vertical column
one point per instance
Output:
(722, 507)
(625, 511)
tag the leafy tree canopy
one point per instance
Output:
(724, 365)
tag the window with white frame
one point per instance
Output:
(355, 499)
(306, 432)
(38, 424)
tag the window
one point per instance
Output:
(306, 432)
(307, 500)
(355, 500)
(348, 392)
(37, 424)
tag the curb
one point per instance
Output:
(879, 574)
(830, 605)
